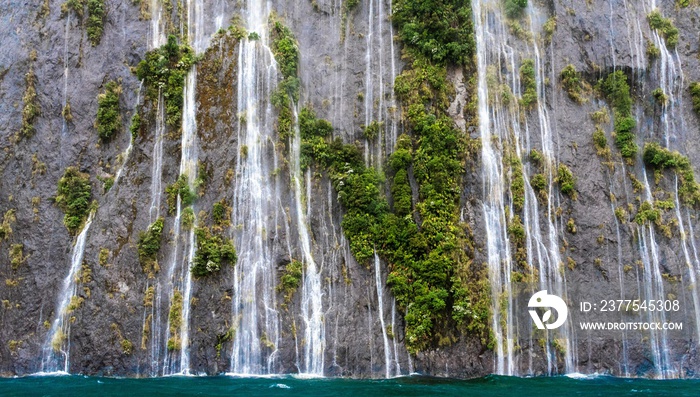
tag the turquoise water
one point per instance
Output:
(288, 386)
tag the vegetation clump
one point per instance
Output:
(566, 180)
(286, 53)
(291, 279)
(665, 28)
(572, 84)
(695, 96)
(149, 245)
(180, 188)
(109, 119)
(660, 158)
(617, 91)
(74, 197)
(163, 71)
(529, 84)
(30, 111)
(439, 30)
(95, 22)
(213, 251)
(514, 8)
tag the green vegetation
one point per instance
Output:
(572, 84)
(660, 158)
(17, 257)
(660, 96)
(188, 218)
(440, 31)
(529, 84)
(683, 3)
(695, 95)
(429, 274)
(517, 181)
(213, 251)
(514, 8)
(221, 213)
(182, 189)
(109, 119)
(371, 131)
(30, 111)
(286, 52)
(290, 280)
(617, 91)
(175, 321)
(599, 139)
(163, 70)
(74, 197)
(149, 245)
(548, 28)
(135, 126)
(539, 184)
(6, 226)
(95, 22)
(653, 51)
(647, 213)
(665, 28)
(566, 180)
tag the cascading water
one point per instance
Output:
(311, 304)
(388, 361)
(255, 317)
(179, 276)
(498, 244)
(56, 350)
(502, 127)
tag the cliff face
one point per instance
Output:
(331, 315)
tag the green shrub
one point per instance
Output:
(95, 22)
(74, 197)
(549, 27)
(135, 126)
(439, 30)
(529, 84)
(163, 70)
(221, 213)
(290, 280)
(514, 8)
(539, 183)
(617, 91)
(286, 53)
(665, 28)
(371, 131)
(695, 96)
(647, 213)
(599, 139)
(658, 157)
(181, 188)
(566, 180)
(149, 244)
(109, 119)
(213, 251)
(660, 96)
(188, 218)
(653, 51)
(30, 111)
(572, 84)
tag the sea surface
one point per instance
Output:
(83, 386)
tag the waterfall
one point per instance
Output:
(505, 134)
(551, 277)
(498, 244)
(127, 152)
(380, 308)
(254, 211)
(311, 304)
(56, 350)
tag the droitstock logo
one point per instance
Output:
(541, 299)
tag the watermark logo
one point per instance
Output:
(542, 299)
